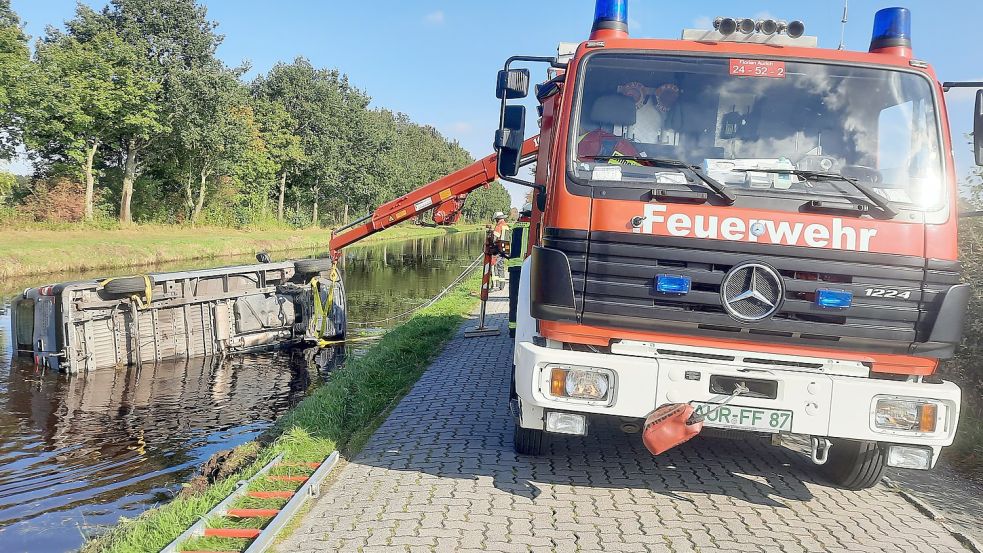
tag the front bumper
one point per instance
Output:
(822, 403)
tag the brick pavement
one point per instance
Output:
(440, 475)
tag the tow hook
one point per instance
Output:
(820, 450)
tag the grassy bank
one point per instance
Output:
(35, 251)
(341, 414)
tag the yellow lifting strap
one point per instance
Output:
(322, 310)
(327, 343)
(148, 291)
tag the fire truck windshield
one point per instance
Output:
(731, 116)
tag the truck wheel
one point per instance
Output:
(312, 266)
(126, 285)
(854, 465)
(528, 441)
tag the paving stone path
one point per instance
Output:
(440, 475)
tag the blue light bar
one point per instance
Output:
(611, 15)
(892, 29)
(834, 299)
(672, 284)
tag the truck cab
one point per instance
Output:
(739, 217)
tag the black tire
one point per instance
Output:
(312, 266)
(854, 465)
(339, 313)
(528, 441)
(126, 286)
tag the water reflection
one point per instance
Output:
(390, 278)
(77, 453)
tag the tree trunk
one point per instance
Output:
(346, 214)
(129, 176)
(315, 190)
(90, 179)
(201, 193)
(283, 192)
(189, 194)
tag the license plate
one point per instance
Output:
(747, 418)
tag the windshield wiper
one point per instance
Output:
(881, 202)
(695, 170)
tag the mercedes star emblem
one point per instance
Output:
(752, 292)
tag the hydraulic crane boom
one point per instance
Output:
(427, 197)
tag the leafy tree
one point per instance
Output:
(173, 37)
(212, 124)
(7, 184)
(255, 170)
(134, 93)
(14, 66)
(283, 147)
(316, 101)
(82, 90)
(484, 202)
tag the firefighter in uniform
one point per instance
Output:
(501, 232)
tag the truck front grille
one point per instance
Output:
(614, 274)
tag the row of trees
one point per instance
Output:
(132, 102)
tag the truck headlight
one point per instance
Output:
(584, 383)
(911, 415)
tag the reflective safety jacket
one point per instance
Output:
(502, 230)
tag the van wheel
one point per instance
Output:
(312, 266)
(528, 441)
(854, 465)
(126, 285)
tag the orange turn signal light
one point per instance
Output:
(558, 382)
(927, 417)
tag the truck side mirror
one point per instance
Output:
(509, 139)
(978, 128)
(512, 84)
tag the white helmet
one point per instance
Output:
(498, 215)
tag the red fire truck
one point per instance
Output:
(739, 222)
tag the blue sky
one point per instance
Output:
(436, 60)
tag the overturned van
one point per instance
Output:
(81, 326)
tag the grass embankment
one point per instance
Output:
(339, 415)
(38, 251)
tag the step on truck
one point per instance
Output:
(739, 222)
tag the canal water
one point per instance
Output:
(78, 453)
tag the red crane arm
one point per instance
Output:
(423, 199)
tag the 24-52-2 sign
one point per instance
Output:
(757, 68)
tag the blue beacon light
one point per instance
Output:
(834, 299)
(892, 29)
(610, 20)
(672, 284)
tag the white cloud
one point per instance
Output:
(703, 22)
(634, 25)
(435, 18)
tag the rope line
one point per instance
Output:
(474, 264)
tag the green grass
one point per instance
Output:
(41, 251)
(340, 415)
(215, 544)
